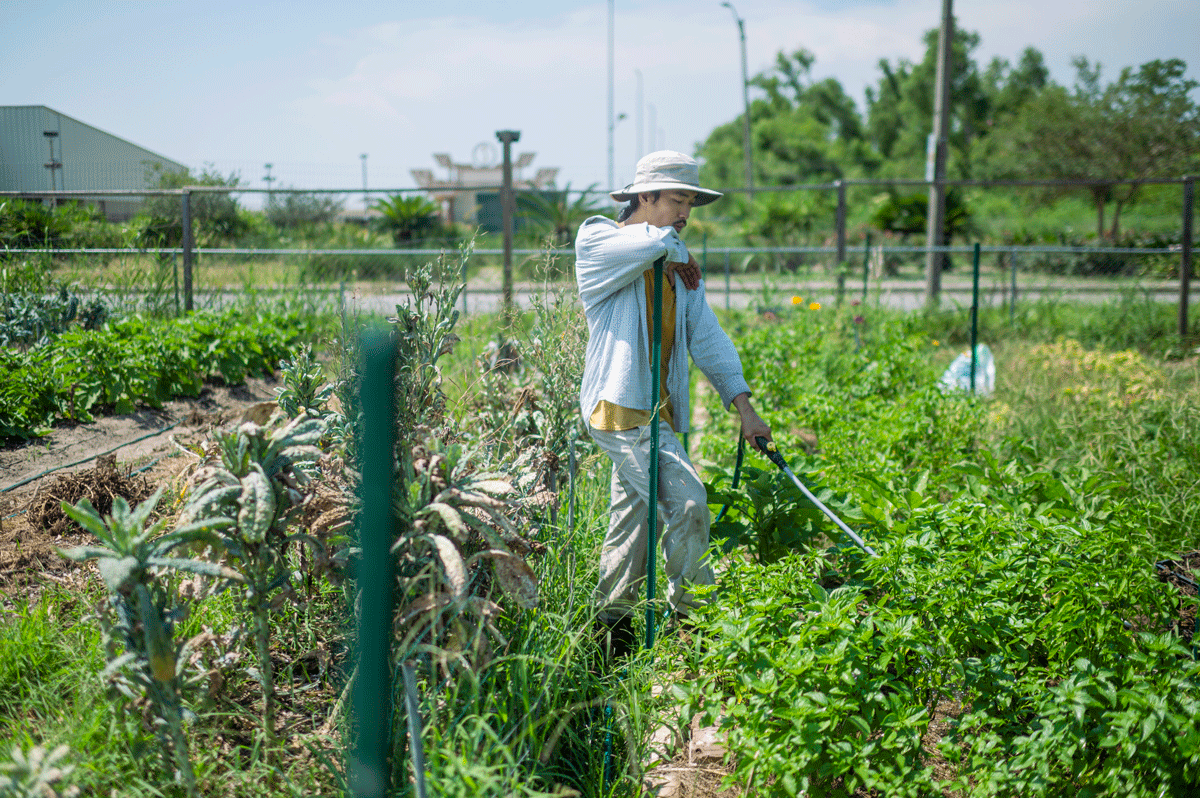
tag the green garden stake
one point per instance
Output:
(652, 509)
(368, 766)
(866, 264)
(974, 315)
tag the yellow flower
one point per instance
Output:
(814, 305)
(796, 300)
(936, 342)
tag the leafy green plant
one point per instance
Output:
(214, 214)
(769, 516)
(814, 689)
(144, 611)
(28, 224)
(305, 389)
(27, 319)
(138, 360)
(247, 496)
(424, 331)
(36, 773)
(291, 209)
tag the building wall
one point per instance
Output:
(90, 158)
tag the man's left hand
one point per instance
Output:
(689, 272)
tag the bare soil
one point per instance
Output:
(129, 456)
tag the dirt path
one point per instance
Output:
(128, 455)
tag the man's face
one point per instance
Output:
(671, 209)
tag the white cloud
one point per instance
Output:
(321, 90)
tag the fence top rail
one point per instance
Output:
(954, 250)
(852, 181)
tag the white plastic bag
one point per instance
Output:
(958, 375)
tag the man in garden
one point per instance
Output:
(614, 268)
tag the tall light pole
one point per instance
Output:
(935, 215)
(366, 199)
(745, 104)
(612, 123)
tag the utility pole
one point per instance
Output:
(936, 211)
(746, 144)
(507, 210)
(612, 124)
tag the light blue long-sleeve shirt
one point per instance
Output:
(609, 262)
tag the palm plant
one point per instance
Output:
(555, 212)
(407, 218)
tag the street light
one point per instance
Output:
(366, 199)
(269, 180)
(745, 103)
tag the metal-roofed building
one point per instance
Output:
(42, 149)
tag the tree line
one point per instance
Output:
(1008, 121)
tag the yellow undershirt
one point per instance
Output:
(610, 417)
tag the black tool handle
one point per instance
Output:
(771, 451)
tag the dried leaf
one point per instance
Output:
(515, 576)
(450, 517)
(456, 570)
(495, 487)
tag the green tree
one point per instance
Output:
(803, 131)
(407, 219)
(291, 209)
(215, 215)
(900, 109)
(1142, 126)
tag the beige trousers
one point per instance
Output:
(683, 523)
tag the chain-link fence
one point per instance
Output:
(861, 238)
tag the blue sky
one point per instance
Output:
(311, 86)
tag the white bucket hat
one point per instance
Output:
(667, 171)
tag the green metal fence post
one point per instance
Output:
(1012, 302)
(1185, 254)
(974, 314)
(368, 767)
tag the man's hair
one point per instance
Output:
(633, 205)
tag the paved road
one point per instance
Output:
(905, 295)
